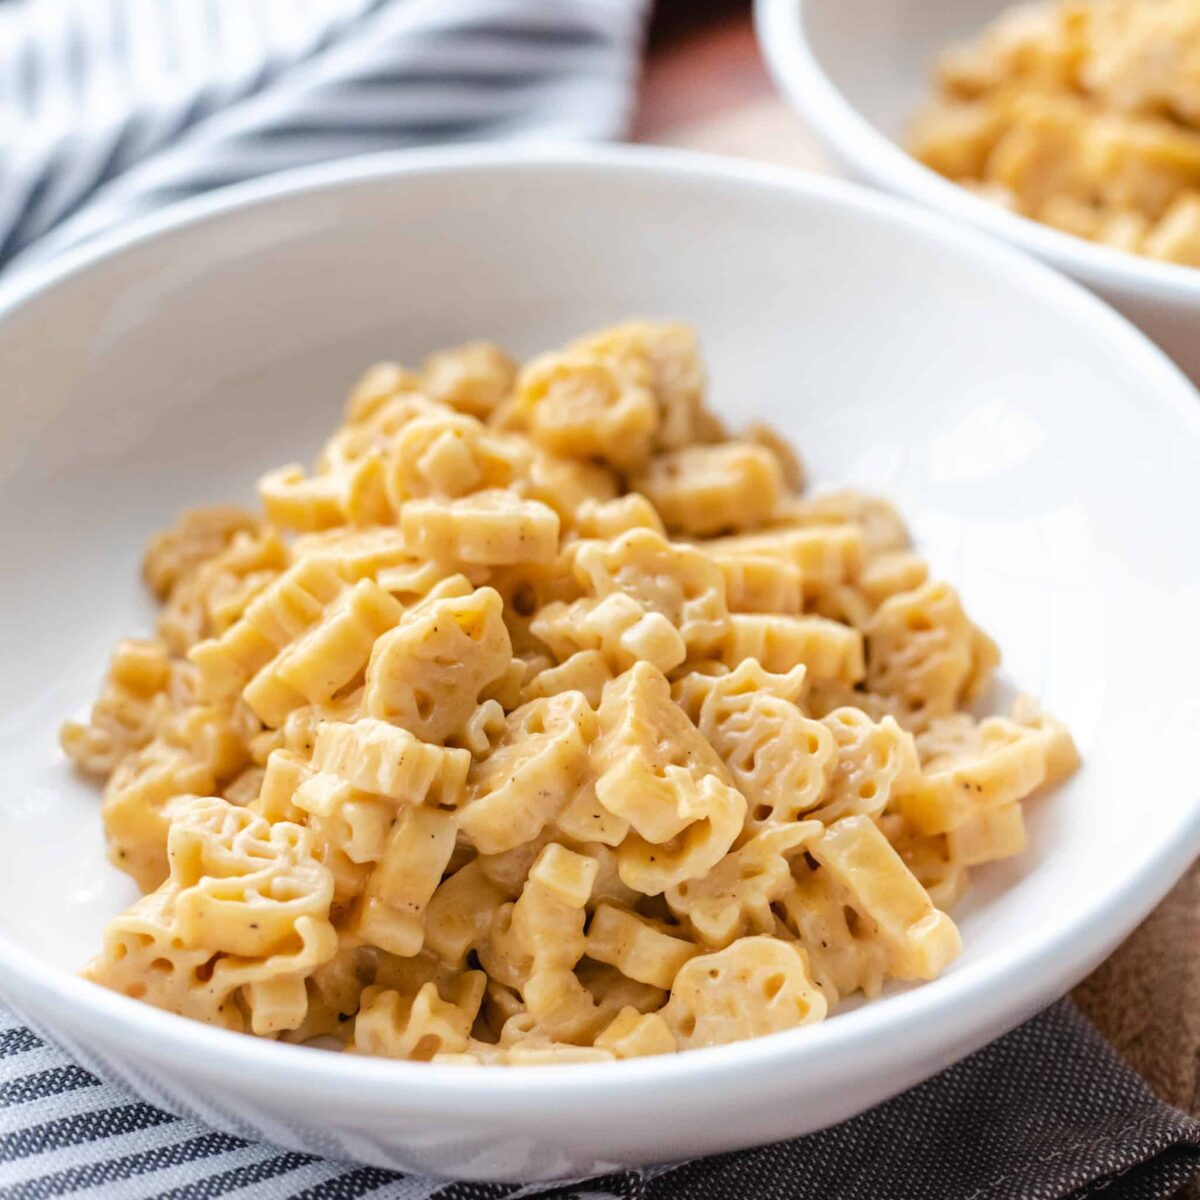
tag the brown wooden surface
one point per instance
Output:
(705, 87)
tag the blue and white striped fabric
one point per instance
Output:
(112, 108)
(1047, 1113)
(64, 1132)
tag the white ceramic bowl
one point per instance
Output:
(858, 70)
(1046, 452)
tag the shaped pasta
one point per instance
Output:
(233, 932)
(427, 673)
(542, 721)
(755, 986)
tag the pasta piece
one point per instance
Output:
(618, 627)
(326, 658)
(929, 858)
(889, 574)
(871, 757)
(307, 504)
(547, 925)
(391, 911)
(584, 819)
(245, 911)
(128, 712)
(631, 1034)
(611, 518)
(567, 484)
(585, 671)
(138, 806)
(375, 387)
(539, 762)
(384, 760)
(668, 354)
(844, 952)
(447, 456)
(421, 1026)
(210, 734)
(286, 609)
(874, 881)
(492, 528)
(790, 463)
(997, 764)
(883, 530)
(987, 836)
(199, 535)
(756, 986)
(636, 947)
(825, 555)
(923, 651)
(735, 897)
(427, 673)
(460, 913)
(656, 771)
(759, 584)
(676, 581)
(579, 405)
(829, 650)
(1062, 757)
(475, 378)
(205, 602)
(355, 553)
(780, 760)
(700, 491)
(284, 773)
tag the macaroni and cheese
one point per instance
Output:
(1082, 114)
(544, 720)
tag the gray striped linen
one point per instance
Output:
(1046, 1113)
(112, 108)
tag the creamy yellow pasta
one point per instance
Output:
(545, 721)
(1083, 114)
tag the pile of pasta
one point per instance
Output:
(546, 721)
(1083, 114)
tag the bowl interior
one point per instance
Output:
(1045, 455)
(880, 53)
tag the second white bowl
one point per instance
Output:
(858, 70)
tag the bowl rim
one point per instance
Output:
(964, 1007)
(856, 142)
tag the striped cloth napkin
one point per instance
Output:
(1047, 1113)
(112, 108)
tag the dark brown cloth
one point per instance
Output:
(1047, 1112)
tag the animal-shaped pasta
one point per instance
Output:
(657, 772)
(540, 760)
(580, 405)
(245, 910)
(426, 674)
(755, 986)
(676, 582)
(541, 721)
(700, 491)
(925, 653)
